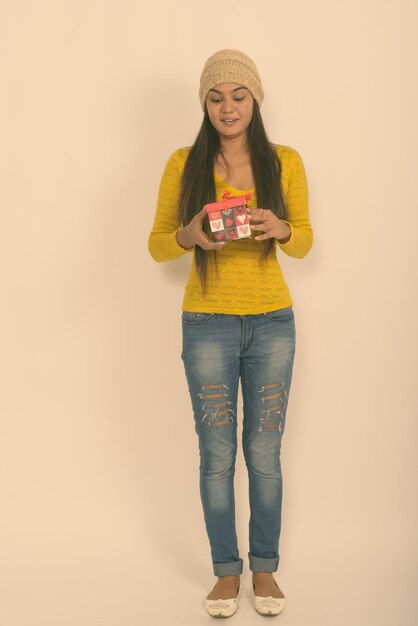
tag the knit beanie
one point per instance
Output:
(230, 66)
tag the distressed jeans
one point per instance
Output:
(218, 351)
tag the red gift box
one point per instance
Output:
(228, 218)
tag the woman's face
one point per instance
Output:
(230, 108)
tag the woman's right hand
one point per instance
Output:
(193, 234)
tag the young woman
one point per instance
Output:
(238, 320)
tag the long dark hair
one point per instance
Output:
(198, 182)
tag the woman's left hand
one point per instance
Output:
(265, 220)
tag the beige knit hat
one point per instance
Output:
(230, 66)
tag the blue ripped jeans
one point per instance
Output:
(218, 350)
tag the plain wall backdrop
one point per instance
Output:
(101, 521)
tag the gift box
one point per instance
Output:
(228, 218)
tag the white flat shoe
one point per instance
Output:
(223, 608)
(268, 605)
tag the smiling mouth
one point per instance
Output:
(229, 121)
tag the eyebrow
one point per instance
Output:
(236, 89)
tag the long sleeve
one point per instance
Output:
(301, 234)
(162, 242)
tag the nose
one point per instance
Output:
(227, 105)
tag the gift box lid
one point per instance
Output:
(227, 202)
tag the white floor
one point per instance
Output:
(368, 594)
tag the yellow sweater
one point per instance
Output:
(242, 285)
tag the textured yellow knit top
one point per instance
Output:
(241, 285)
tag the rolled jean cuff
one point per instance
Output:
(228, 569)
(257, 564)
